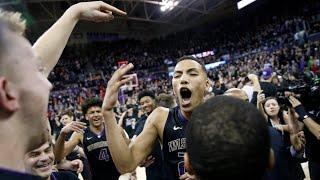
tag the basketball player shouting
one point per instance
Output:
(189, 83)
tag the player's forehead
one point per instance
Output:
(94, 108)
(145, 98)
(42, 147)
(65, 116)
(187, 64)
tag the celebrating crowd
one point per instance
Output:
(255, 116)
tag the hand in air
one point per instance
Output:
(114, 84)
(97, 11)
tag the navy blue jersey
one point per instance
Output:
(100, 161)
(63, 175)
(129, 123)
(174, 143)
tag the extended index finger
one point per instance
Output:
(105, 6)
(124, 69)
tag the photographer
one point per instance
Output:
(292, 141)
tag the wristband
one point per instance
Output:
(301, 112)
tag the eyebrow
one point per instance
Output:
(189, 70)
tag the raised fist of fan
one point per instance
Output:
(114, 84)
(261, 97)
(74, 127)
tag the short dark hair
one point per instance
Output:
(146, 93)
(194, 59)
(67, 112)
(90, 103)
(228, 138)
(165, 100)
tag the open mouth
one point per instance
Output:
(97, 120)
(185, 96)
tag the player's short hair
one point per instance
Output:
(165, 100)
(67, 112)
(90, 103)
(228, 138)
(9, 22)
(146, 93)
(14, 21)
(194, 59)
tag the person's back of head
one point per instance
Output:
(237, 93)
(166, 100)
(227, 138)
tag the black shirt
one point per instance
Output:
(96, 149)
(280, 171)
(291, 167)
(63, 175)
(312, 143)
(269, 89)
(13, 175)
(129, 123)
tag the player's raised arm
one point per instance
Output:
(51, 44)
(125, 158)
(62, 148)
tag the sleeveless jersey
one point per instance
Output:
(174, 143)
(100, 160)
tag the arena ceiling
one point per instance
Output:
(144, 19)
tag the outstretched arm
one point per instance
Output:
(62, 148)
(126, 157)
(51, 44)
(313, 126)
(260, 98)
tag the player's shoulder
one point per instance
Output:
(158, 115)
(160, 112)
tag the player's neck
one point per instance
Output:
(96, 130)
(186, 115)
(48, 178)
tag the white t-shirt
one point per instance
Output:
(249, 90)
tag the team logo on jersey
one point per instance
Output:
(177, 144)
(176, 128)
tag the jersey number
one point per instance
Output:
(104, 154)
(181, 169)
